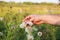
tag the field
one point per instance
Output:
(29, 8)
(12, 14)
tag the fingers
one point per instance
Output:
(28, 18)
(38, 22)
(34, 19)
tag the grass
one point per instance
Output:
(30, 9)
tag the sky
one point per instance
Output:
(35, 1)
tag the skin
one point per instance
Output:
(39, 19)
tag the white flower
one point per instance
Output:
(23, 25)
(39, 34)
(30, 37)
(30, 23)
(28, 30)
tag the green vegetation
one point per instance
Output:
(30, 8)
(14, 13)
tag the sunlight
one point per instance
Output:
(35, 1)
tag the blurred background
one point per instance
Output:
(12, 12)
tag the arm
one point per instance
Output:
(52, 19)
(39, 19)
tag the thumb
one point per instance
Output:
(38, 22)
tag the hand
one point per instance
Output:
(36, 19)
(39, 19)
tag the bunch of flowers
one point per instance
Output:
(29, 29)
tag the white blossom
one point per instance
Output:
(23, 25)
(28, 30)
(39, 34)
(30, 23)
(30, 37)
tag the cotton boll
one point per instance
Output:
(39, 34)
(30, 37)
(23, 25)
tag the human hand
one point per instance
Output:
(35, 19)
